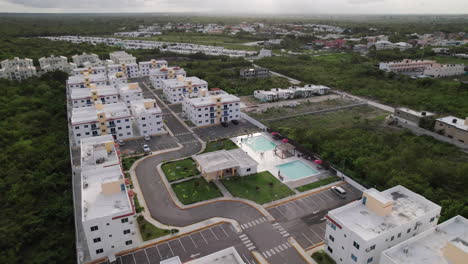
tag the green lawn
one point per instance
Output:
(322, 258)
(128, 162)
(317, 184)
(196, 190)
(226, 144)
(149, 231)
(180, 169)
(260, 188)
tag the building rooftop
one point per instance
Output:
(459, 123)
(181, 82)
(130, 88)
(225, 256)
(406, 206)
(415, 113)
(145, 106)
(98, 151)
(224, 159)
(90, 113)
(164, 71)
(89, 69)
(428, 247)
(76, 79)
(153, 61)
(211, 99)
(102, 90)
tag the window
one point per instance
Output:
(369, 260)
(364, 200)
(248, 169)
(77, 127)
(432, 219)
(94, 228)
(399, 235)
(99, 251)
(372, 247)
(143, 118)
(353, 257)
(129, 242)
(393, 237)
(127, 231)
(124, 220)
(330, 249)
(331, 238)
(333, 226)
(97, 239)
(355, 244)
(78, 135)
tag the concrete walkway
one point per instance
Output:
(223, 189)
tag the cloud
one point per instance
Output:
(78, 3)
(360, 2)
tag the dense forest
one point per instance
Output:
(35, 177)
(360, 75)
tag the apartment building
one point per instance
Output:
(86, 97)
(148, 116)
(176, 89)
(86, 59)
(53, 63)
(107, 204)
(359, 231)
(254, 73)
(208, 109)
(117, 79)
(86, 80)
(90, 70)
(406, 65)
(130, 70)
(453, 127)
(444, 70)
(122, 57)
(157, 75)
(411, 115)
(130, 92)
(447, 243)
(293, 92)
(146, 66)
(17, 69)
(101, 119)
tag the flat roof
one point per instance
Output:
(130, 88)
(175, 83)
(210, 99)
(94, 152)
(225, 256)
(138, 107)
(224, 159)
(165, 71)
(449, 121)
(102, 90)
(407, 206)
(85, 69)
(89, 113)
(151, 62)
(100, 77)
(416, 113)
(426, 248)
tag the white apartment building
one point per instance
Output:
(122, 57)
(130, 70)
(53, 63)
(447, 243)
(130, 92)
(444, 70)
(211, 109)
(176, 89)
(85, 59)
(117, 79)
(86, 80)
(87, 97)
(264, 53)
(107, 208)
(291, 93)
(406, 65)
(359, 231)
(101, 119)
(17, 69)
(156, 76)
(90, 70)
(148, 116)
(146, 66)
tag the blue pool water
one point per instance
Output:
(260, 144)
(296, 170)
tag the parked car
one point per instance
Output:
(120, 142)
(235, 122)
(147, 137)
(340, 192)
(224, 124)
(146, 148)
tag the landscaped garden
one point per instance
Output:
(128, 162)
(318, 183)
(180, 169)
(149, 231)
(226, 144)
(196, 190)
(261, 188)
(322, 258)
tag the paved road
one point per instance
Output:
(291, 80)
(262, 236)
(370, 102)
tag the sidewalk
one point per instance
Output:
(223, 189)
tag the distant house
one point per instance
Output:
(453, 127)
(254, 73)
(411, 115)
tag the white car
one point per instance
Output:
(146, 148)
(147, 137)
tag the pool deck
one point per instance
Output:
(269, 160)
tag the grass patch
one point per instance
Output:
(322, 258)
(319, 183)
(196, 190)
(128, 162)
(261, 188)
(149, 231)
(138, 207)
(180, 169)
(226, 144)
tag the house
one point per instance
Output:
(221, 164)
(130, 70)
(157, 75)
(254, 73)
(453, 127)
(130, 92)
(53, 63)
(86, 80)
(264, 53)
(411, 115)
(290, 93)
(447, 243)
(87, 59)
(359, 231)
(86, 97)
(148, 116)
(175, 90)
(122, 57)
(17, 69)
(147, 66)
(117, 79)
(90, 70)
(444, 70)
(406, 66)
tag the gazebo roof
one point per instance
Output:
(285, 147)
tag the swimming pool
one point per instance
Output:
(260, 144)
(296, 170)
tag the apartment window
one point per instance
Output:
(409, 230)
(99, 251)
(85, 126)
(118, 121)
(331, 238)
(372, 247)
(399, 235)
(248, 168)
(143, 118)
(330, 249)
(94, 228)
(77, 127)
(144, 125)
(393, 237)
(128, 134)
(432, 219)
(353, 257)
(97, 239)
(124, 220)
(369, 260)
(127, 126)
(355, 244)
(126, 120)
(333, 226)
(127, 231)
(87, 133)
(129, 242)
(78, 135)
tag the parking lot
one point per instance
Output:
(156, 143)
(191, 246)
(212, 133)
(304, 218)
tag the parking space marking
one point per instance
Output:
(181, 244)
(320, 226)
(310, 241)
(147, 258)
(193, 241)
(134, 260)
(224, 230)
(325, 193)
(214, 234)
(160, 257)
(316, 234)
(246, 259)
(170, 248)
(203, 237)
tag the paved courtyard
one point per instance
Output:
(212, 133)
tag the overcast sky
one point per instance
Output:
(240, 6)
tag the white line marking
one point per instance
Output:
(244, 238)
(243, 227)
(257, 221)
(214, 234)
(286, 235)
(281, 247)
(250, 248)
(159, 252)
(170, 248)
(146, 256)
(275, 224)
(310, 241)
(134, 260)
(268, 253)
(249, 244)
(263, 253)
(193, 241)
(224, 230)
(272, 252)
(277, 250)
(181, 244)
(316, 234)
(203, 237)
(320, 226)
(248, 262)
(286, 245)
(243, 235)
(282, 232)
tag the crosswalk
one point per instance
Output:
(246, 240)
(181, 134)
(281, 230)
(273, 251)
(254, 223)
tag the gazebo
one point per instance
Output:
(285, 150)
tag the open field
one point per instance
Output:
(226, 144)
(149, 231)
(195, 190)
(180, 169)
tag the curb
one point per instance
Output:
(301, 251)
